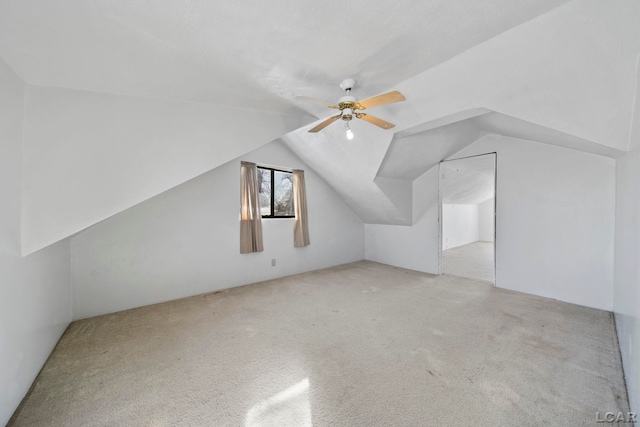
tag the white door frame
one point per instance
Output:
(495, 210)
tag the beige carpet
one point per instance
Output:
(358, 345)
(474, 261)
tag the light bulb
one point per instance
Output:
(349, 132)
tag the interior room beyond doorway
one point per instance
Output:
(468, 203)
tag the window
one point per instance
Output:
(276, 193)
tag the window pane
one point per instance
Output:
(283, 196)
(264, 182)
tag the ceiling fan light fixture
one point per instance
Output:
(348, 131)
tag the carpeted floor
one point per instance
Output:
(357, 345)
(474, 261)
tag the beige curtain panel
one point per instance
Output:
(250, 216)
(301, 227)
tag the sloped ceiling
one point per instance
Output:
(254, 54)
(557, 71)
(468, 181)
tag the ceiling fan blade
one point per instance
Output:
(385, 98)
(316, 101)
(375, 121)
(325, 123)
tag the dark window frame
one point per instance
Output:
(273, 203)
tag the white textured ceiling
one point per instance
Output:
(468, 181)
(254, 54)
(561, 72)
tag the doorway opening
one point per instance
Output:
(468, 217)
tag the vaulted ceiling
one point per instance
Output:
(251, 53)
(468, 181)
(556, 71)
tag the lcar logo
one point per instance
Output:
(616, 417)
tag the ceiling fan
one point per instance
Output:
(350, 107)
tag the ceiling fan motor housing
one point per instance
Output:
(347, 105)
(348, 101)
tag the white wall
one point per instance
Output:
(186, 241)
(464, 224)
(35, 293)
(555, 219)
(90, 155)
(410, 246)
(626, 303)
(486, 223)
(627, 271)
(459, 225)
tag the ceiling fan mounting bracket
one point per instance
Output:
(348, 84)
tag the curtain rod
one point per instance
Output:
(276, 167)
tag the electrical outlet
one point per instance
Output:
(273, 262)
